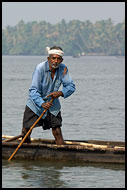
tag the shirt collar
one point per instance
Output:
(47, 66)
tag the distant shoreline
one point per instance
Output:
(89, 54)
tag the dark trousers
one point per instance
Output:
(48, 122)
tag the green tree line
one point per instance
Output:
(75, 37)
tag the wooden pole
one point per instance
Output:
(29, 132)
(13, 138)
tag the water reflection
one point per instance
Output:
(38, 174)
(46, 174)
(28, 165)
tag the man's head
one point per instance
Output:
(55, 56)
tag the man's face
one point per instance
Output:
(54, 60)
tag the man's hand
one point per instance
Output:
(55, 94)
(47, 105)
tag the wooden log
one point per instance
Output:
(117, 148)
(88, 145)
(12, 139)
(66, 142)
(71, 143)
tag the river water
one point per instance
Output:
(96, 111)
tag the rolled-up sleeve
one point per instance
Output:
(68, 85)
(35, 89)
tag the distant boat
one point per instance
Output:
(76, 56)
(120, 56)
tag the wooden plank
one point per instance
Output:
(74, 143)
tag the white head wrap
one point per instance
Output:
(54, 51)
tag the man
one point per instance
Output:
(46, 80)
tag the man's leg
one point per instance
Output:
(24, 132)
(28, 119)
(57, 133)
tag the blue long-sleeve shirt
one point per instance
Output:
(42, 85)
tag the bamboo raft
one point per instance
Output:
(94, 151)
